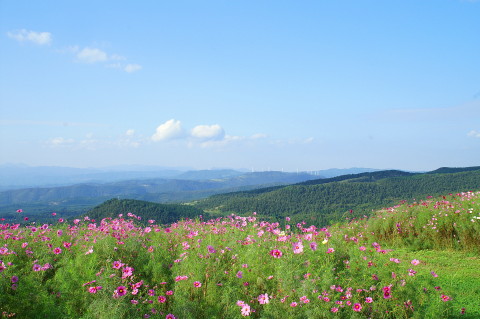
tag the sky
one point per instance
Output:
(261, 85)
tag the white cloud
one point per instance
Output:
(117, 57)
(40, 38)
(258, 136)
(60, 141)
(208, 132)
(169, 130)
(474, 133)
(114, 65)
(89, 55)
(132, 68)
(130, 132)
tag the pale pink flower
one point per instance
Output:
(263, 299)
(245, 311)
(297, 247)
(415, 262)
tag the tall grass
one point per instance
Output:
(233, 267)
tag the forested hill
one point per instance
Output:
(324, 201)
(161, 213)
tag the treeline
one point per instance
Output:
(327, 202)
(161, 213)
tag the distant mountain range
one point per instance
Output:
(186, 186)
(17, 176)
(323, 201)
(273, 195)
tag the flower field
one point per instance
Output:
(235, 266)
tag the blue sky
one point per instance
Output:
(289, 85)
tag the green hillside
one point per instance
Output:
(161, 213)
(324, 201)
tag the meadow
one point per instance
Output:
(414, 260)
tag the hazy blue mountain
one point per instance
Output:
(154, 189)
(14, 176)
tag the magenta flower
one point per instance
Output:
(117, 264)
(434, 274)
(445, 298)
(239, 274)
(334, 309)
(162, 299)
(197, 284)
(369, 300)
(294, 304)
(276, 253)
(313, 246)
(37, 267)
(170, 316)
(211, 250)
(121, 291)
(330, 250)
(14, 279)
(57, 250)
(357, 307)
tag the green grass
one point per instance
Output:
(458, 272)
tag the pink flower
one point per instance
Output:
(19, 210)
(245, 311)
(330, 250)
(169, 292)
(293, 304)
(120, 291)
(369, 300)
(211, 250)
(362, 248)
(445, 298)
(93, 290)
(14, 279)
(357, 307)
(334, 309)
(57, 250)
(170, 316)
(127, 272)
(239, 274)
(263, 299)
(434, 274)
(162, 299)
(313, 246)
(117, 264)
(197, 284)
(37, 267)
(276, 253)
(297, 247)
(415, 262)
